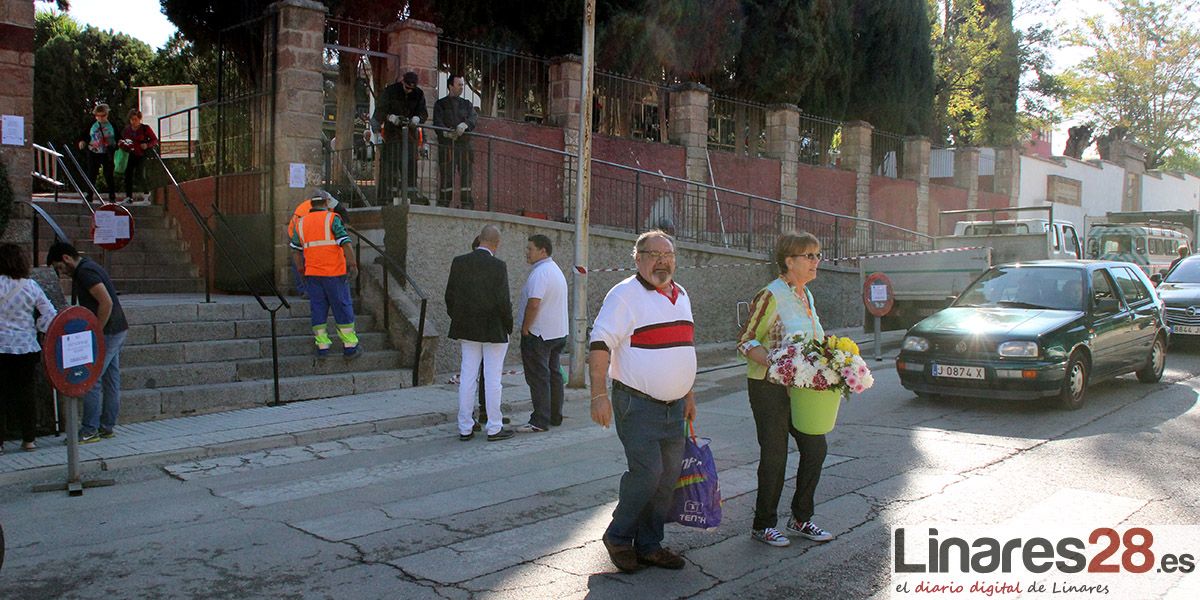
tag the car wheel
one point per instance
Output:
(1155, 363)
(1074, 384)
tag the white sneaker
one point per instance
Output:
(809, 530)
(771, 537)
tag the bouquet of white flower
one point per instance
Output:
(832, 364)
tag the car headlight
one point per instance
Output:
(1019, 349)
(913, 343)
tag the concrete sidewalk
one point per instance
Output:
(185, 438)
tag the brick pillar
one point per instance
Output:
(1007, 179)
(299, 110)
(966, 173)
(16, 95)
(689, 128)
(783, 144)
(917, 150)
(566, 81)
(856, 157)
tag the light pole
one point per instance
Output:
(583, 186)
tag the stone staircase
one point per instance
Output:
(184, 356)
(154, 262)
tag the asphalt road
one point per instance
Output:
(418, 514)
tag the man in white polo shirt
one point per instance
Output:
(643, 338)
(543, 334)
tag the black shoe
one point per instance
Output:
(503, 434)
(466, 437)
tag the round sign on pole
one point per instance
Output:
(877, 294)
(73, 353)
(112, 226)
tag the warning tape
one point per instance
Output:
(584, 271)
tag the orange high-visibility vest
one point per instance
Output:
(323, 257)
(303, 209)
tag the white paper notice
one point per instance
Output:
(14, 130)
(106, 227)
(296, 175)
(120, 225)
(878, 293)
(76, 349)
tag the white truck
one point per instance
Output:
(924, 282)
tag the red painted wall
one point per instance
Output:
(942, 197)
(894, 201)
(239, 195)
(523, 179)
(623, 199)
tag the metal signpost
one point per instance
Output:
(878, 298)
(73, 355)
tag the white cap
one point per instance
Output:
(330, 202)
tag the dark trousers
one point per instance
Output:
(134, 170)
(454, 155)
(652, 434)
(395, 155)
(17, 372)
(773, 421)
(94, 163)
(540, 360)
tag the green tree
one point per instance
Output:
(892, 80)
(78, 68)
(1143, 75)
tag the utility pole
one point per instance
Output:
(583, 187)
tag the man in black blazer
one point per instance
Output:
(480, 312)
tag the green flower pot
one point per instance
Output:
(814, 412)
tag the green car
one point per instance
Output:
(1041, 329)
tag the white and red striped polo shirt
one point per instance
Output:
(650, 337)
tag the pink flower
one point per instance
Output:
(858, 389)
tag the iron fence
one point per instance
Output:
(820, 141)
(630, 108)
(737, 126)
(484, 172)
(503, 83)
(887, 153)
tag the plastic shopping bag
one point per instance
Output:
(120, 161)
(697, 501)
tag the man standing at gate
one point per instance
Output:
(543, 334)
(643, 337)
(456, 114)
(322, 252)
(480, 312)
(401, 110)
(94, 289)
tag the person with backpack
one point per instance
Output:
(136, 139)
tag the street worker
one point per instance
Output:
(302, 209)
(480, 311)
(322, 253)
(643, 338)
(543, 334)
(455, 114)
(401, 110)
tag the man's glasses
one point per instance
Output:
(811, 255)
(657, 255)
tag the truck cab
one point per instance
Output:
(1060, 239)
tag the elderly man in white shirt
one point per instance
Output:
(543, 334)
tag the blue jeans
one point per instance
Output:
(653, 435)
(102, 403)
(540, 359)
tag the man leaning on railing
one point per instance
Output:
(456, 116)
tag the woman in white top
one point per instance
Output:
(20, 296)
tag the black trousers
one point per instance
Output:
(454, 155)
(134, 170)
(17, 372)
(94, 163)
(773, 421)
(540, 359)
(394, 156)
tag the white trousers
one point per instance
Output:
(492, 356)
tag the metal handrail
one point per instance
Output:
(390, 266)
(82, 175)
(208, 233)
(657, 175)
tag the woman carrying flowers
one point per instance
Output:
(779, 311)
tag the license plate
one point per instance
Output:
(1186, 329)
(957, 372)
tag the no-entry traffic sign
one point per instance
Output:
(74, 351)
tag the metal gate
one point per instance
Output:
(245, 117)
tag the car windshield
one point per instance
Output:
(1187, 271)
(1057, 288)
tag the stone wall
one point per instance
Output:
(716, 279)
(16, 95)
